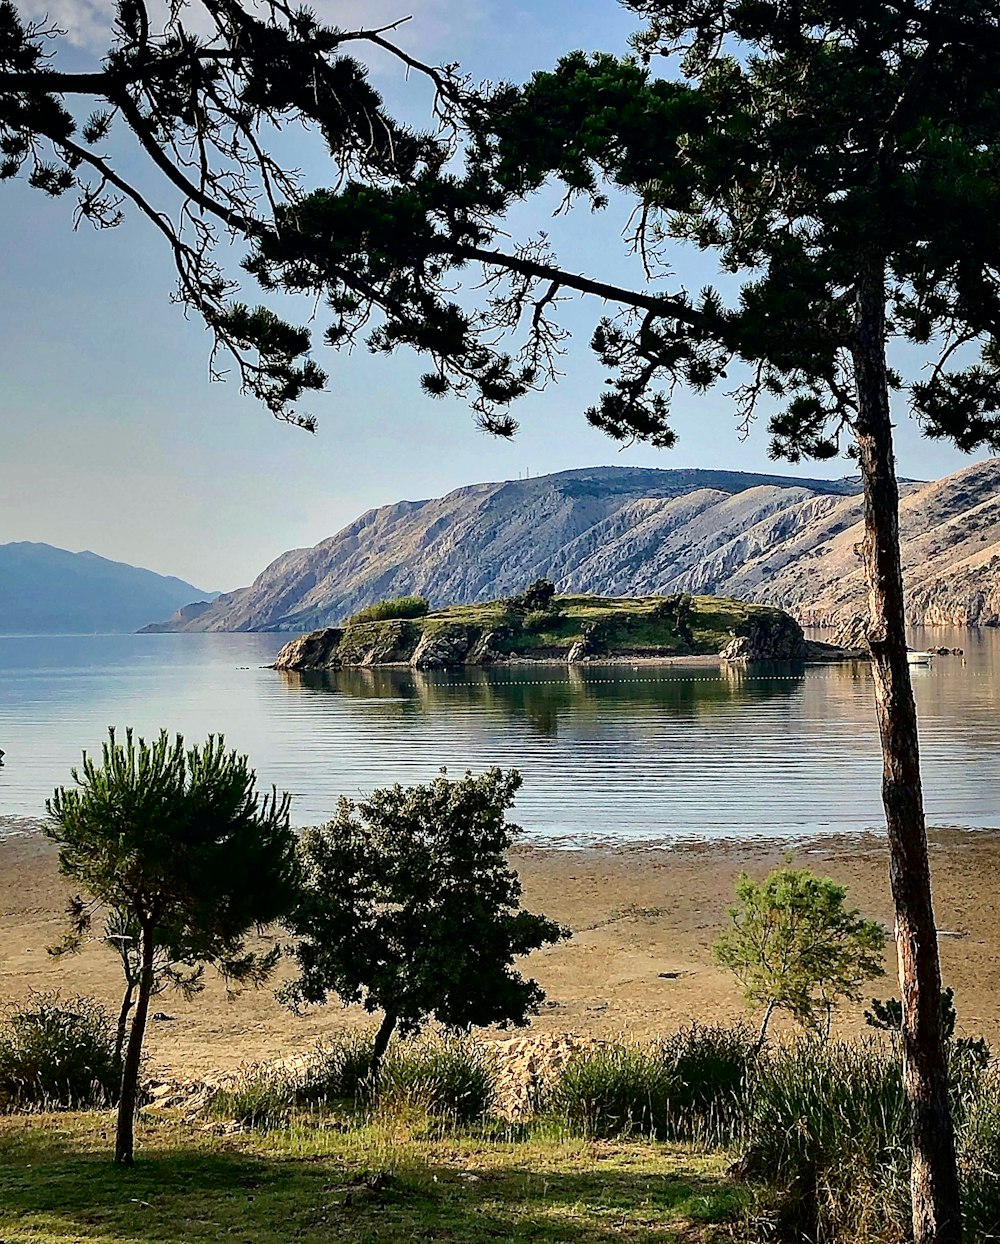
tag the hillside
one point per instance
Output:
(628, 531)
(47, 591)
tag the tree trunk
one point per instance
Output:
(382, 1039)
(934, 1182)
(762, 1035)
(125, 1131)
(123, 1020)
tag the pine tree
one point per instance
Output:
(175, 847)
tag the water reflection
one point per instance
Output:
(545, 696)
(622, 751)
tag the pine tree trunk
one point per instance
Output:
(934, 1175)
(125, 1130)
(122, 1028)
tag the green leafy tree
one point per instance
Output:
(795, 946)
(182, 857)
(538, 597)
(410, 907)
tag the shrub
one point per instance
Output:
(398, 607)
(712, 1067)
(827, 1126)
(58, 1054)
(264, 1096)
(979, 1156)
(539, 597)
(259, 1096)
(340, 1070)
(616, 1090)
(451, 1077)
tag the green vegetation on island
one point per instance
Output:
(539, 625)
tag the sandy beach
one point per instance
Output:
(639, 962)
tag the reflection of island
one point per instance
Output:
(542, 694)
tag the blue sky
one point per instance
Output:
(115, 440)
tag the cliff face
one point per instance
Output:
(626, 531)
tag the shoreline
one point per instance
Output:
(699, 660)
(639, 964)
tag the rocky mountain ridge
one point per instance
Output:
(621, 531)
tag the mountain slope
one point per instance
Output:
(628, 531)
(45, 590)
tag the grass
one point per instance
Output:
(819, 1133)
(326, 1179)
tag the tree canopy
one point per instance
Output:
(798, 145)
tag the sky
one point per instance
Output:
(116, 440)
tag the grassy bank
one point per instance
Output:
(382, 1182)
(696, 1137)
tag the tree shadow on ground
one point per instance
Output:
(189, 1190)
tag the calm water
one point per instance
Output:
(605, 753)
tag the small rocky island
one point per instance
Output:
(538, 625)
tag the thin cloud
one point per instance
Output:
(434, 25)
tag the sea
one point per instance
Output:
(608, 753)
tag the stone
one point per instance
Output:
(768, 637)
(486, 650)
(442, 649)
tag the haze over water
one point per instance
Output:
(606, 752)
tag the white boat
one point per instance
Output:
(919, 658)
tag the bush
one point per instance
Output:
(713, 1067)
(259, 1096)
(339, 1072)
(979, 1156)
(264, 1096)
(616, 1090)
(398, 607)
(58, 1054)
(539, 597)
(453, 1078)
(828, 1128)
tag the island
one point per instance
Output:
(539, 625)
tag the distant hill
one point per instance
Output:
(50, 591)
(623, 531)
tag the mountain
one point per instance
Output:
(46, 591)
(624, 531)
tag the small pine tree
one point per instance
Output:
(181, 856)
(795, 946)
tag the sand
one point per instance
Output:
(639, 961)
